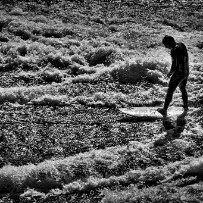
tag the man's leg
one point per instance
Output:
(182, 87)
(173, 83)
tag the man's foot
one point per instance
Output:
(162, 111)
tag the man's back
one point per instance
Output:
(180, 59)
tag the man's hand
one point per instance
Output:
(169, 74)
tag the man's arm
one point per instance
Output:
(173, 66)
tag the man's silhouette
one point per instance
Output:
(179, 72)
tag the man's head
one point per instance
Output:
(169, 42)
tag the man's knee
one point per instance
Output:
(171, 89)
(182, 86)
(183, 83)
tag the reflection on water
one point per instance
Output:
(178, 126)
(173, 128)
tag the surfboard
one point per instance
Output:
(151, 112)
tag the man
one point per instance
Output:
(179, 72)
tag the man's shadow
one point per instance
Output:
(173, 128)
